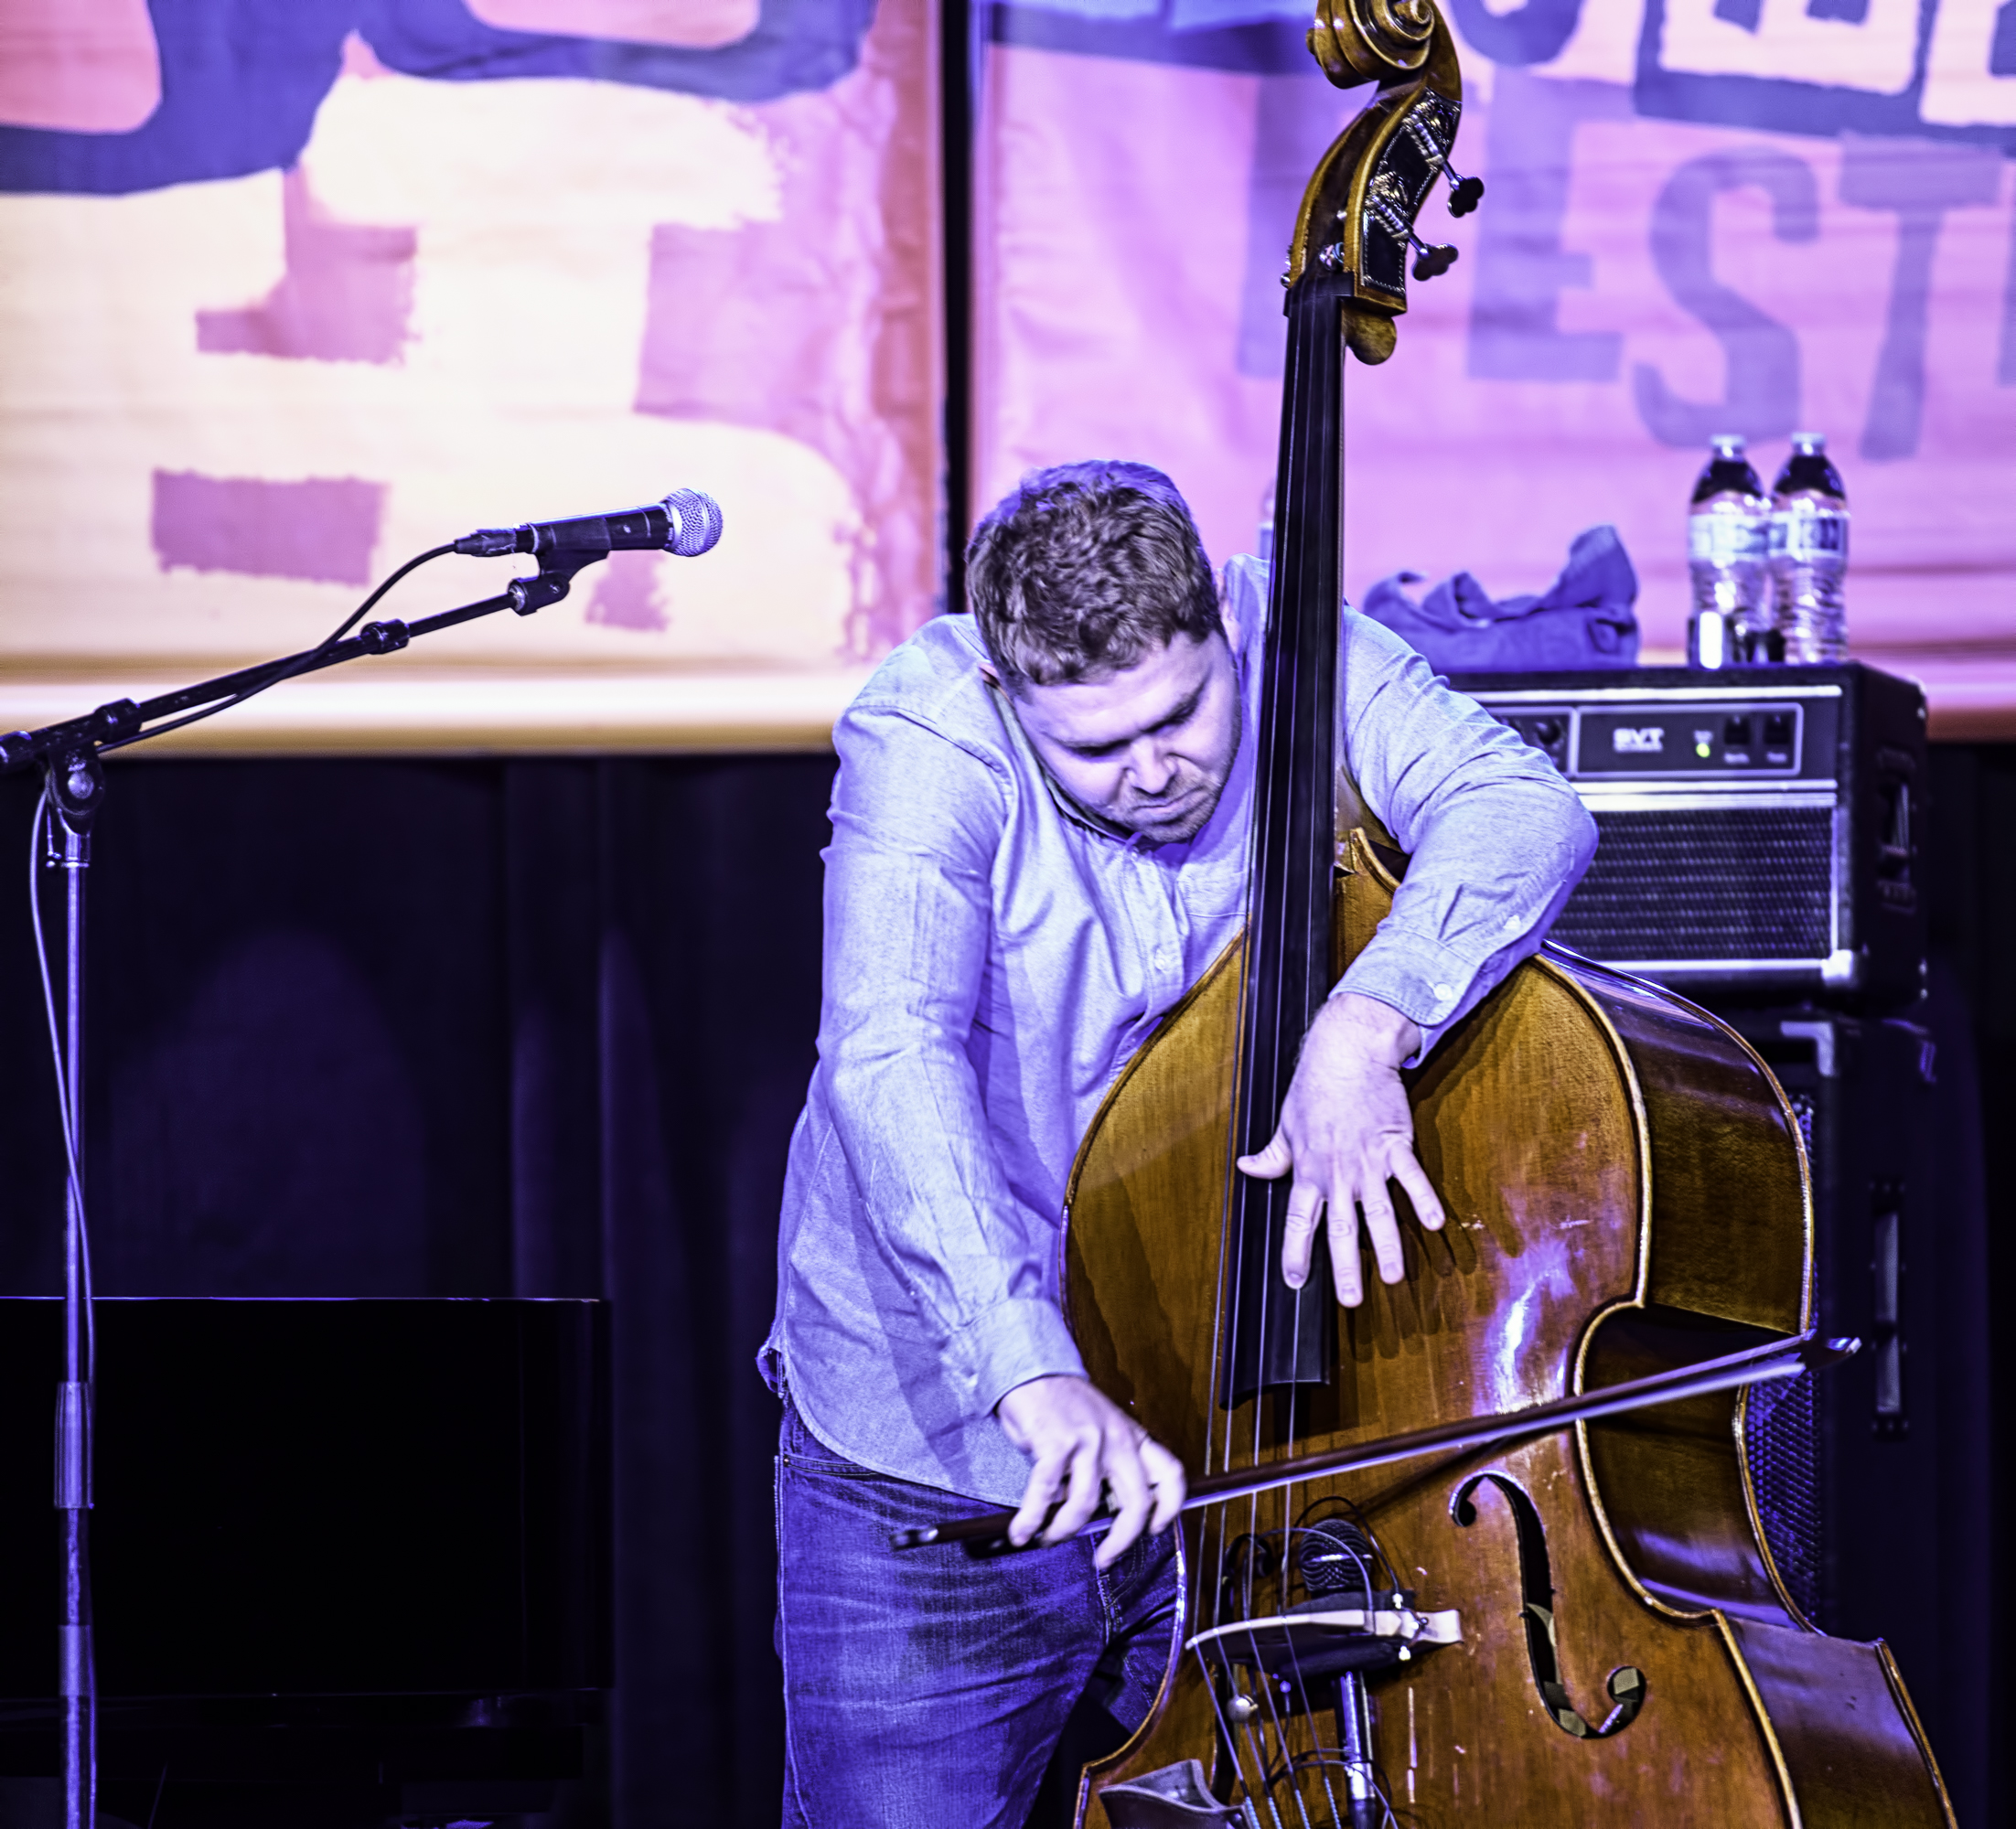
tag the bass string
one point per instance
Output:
(1296, 780)
(1239, 1206)
(1234, 1203)
(1311, 915)
(1301, 786)
(1300, 885)
(1276, 914)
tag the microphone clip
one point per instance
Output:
(554, 578)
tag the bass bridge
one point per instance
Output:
(1305, 1616)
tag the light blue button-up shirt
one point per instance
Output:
(994, 957)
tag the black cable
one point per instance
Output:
(64, 1114)
(68, 1118)
(75, 1186)
(303, 665)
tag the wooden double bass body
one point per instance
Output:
(1626, 1192)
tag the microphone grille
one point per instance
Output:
(696, 522)
(1336, 1557)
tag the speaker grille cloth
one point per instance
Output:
(1743, 883)
(1781, 1446)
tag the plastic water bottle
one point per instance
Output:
(1810, 553)
(1728, 550)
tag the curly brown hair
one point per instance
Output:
(1083, 569)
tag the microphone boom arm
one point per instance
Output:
(122, 722)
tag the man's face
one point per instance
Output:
(1148, 747)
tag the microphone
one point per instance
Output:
(685, 522)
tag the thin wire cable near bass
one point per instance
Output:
(65, 1115)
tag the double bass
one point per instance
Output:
(1580, 1625)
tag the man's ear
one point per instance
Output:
(988, 674)
(1230, 624)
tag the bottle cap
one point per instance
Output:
(1809, 443)
(1727, 444)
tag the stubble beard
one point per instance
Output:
(1195, 818)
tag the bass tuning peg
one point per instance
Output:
(1464, 193)
(1431, 262)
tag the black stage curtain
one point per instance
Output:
(1971, 849)
(469, 1029)
(541, 1027)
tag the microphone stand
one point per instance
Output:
(70, 756)
(76, 1675)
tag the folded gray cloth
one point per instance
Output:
(1177, 1797)
(1584, 618)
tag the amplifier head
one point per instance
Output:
(1759, 825)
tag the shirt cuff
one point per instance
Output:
(1427, 983)
(1016, 1340)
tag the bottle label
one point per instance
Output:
(1727, 539)
(1803, 534)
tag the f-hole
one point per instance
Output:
(1627, 1683)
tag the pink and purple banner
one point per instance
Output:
(1701, 216)
(296, 288)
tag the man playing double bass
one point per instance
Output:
(1040, 833)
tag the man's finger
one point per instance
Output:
(1345, 1269)
(1298, 1237)
(1128, 1482)
(1408, 1172)
(1036, 1497)
(1082, 1499)
(1272, 1163)
(1383, 1228)
(1165, 1479)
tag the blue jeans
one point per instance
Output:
(930, 1688)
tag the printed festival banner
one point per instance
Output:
(291, 289)
(1701, 216)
